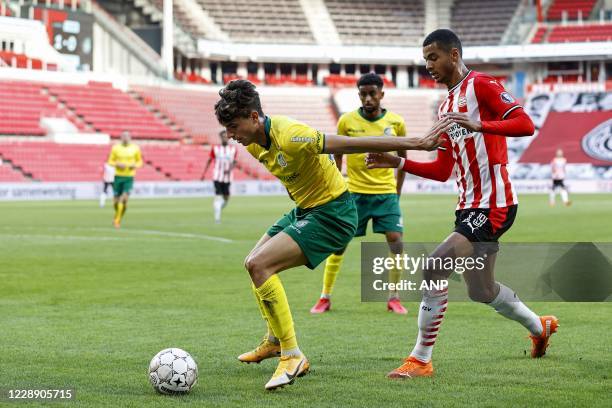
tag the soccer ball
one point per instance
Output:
(173, 371)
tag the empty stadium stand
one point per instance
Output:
(540, 35)
(47, 161)
(383, 22)
(182, 17)
(341, 81)
(8, 174)
(23, 104)
(196, 117)
(177, 162)
(274, 21)
(111, 111)
(482, 22)
(581, 33)
(572, 8)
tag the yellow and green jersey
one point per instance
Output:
(360, 178)
(129, 155)
(293, 154)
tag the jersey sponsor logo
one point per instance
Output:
(475, 220)
(462, 101)
(290, 179)
(302, 139)
(506, 98)
(456, 132)
(598, 142)
(281, 159)
(355, 130)
(388, 131)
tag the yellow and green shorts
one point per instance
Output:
(382, 209)
(320, 231)
(122, 185)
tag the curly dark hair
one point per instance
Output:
(370, 78)
(238, 99)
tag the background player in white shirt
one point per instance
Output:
(557, 170)
(108, 177)
(224, 156)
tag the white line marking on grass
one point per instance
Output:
(121, 232)
(179, 235)
(59, 237)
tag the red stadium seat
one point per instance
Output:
(111, 111)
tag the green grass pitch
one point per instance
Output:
(86, 306)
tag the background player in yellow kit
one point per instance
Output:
(126, 158)
(323, 222)
(375, 191)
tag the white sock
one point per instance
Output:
(217, 205)
(431, 312)
(564, 196)
(292, 352)
(510, 306)
(224, 203)
(102, 199)
(325, 296)
(551, 198)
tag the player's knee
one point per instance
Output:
(394, 237)
(255, 266)
(481, 295)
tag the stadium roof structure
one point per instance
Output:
(346, 54)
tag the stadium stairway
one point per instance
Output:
(110, 110)
(163, 117)
(10, 172)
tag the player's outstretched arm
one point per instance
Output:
(341, 144)
(516, 124)
(439, 169)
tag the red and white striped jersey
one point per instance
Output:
(224, 157)
(480, 158)
(557, 168)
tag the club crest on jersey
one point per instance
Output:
(281, 159)
(506, 97)
(388, 131)
(462, 101)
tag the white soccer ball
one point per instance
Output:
(173, 371)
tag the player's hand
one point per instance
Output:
(120, 166)
(432, 139)
(463, 120)
(382, 160)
